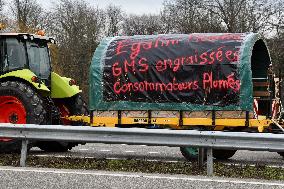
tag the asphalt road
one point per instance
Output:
(29, 178)
(154, 153)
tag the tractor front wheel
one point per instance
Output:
(66, 107)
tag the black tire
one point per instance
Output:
(76, 106)
(189, 153)
(35, 113)
(223, 154)
(55, 146)
(281, 154)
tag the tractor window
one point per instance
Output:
(15, 55)
(39, 61)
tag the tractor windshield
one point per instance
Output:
(39, 60)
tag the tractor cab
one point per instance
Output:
(26, 51)
(30, 93)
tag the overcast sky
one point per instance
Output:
(129, 6)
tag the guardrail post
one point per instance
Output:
(200, 158)
(209, 162)
(24, 151)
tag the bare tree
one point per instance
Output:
(277, 22)
(276, 45)
(2, 4)
(27, 14)
(228, 11)
(259, 14)
(142, 25)
(114, 16)
(3, 17)
(188, 16)
(78, 29)
(267, 17)
(243, 15)
(181, 15)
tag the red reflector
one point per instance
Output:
(72, 82)
(35, 79)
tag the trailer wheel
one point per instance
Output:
(66, 107)
(19, 104)
(281, 154)
(189, 153)
(223, 154)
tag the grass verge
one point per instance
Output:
(187, 168)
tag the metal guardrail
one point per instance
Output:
(139, 136)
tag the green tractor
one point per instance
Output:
(30, 93)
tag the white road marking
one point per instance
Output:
(66, 156)
(83, 149)
(57, 156)
(143, 145)
(254, 165)
(171, 161)
(153, 160)
(123, 144)
(38, 155)
(91, 157)
(105, 150)
(153, 152)
(213, 179)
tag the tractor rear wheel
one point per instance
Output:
(19, 104)
(72, 106)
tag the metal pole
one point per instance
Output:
(209, 162)
(200, 158)
(92, 118)
(280, 93)
(24, 151)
